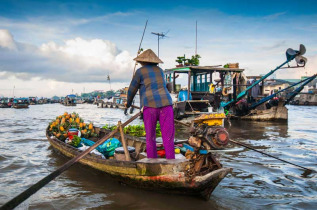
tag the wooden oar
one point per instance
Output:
(136, 63)
(251, 148)
(34, 188)
(124, 143)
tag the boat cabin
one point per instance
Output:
(5, 102)
(203, 92)
(70, 100)
(33, 100)
(20, 103)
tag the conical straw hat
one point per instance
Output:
(148, 56)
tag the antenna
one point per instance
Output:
(159, 36)
(108, 78)
(196, 40)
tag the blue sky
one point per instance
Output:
(88, 39)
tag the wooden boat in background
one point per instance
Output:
(20, 103)
(275, 113)
(197, 97)
(5, 103)
(116, 101)
(170, 176)
(68, 104)
(70, 100)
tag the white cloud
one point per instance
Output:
(258, 43)
(6, 40)
(76, 60)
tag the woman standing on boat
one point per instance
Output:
(156, 102)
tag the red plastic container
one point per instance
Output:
(161, 153)
(72, 132)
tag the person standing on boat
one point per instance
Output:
(156, 102)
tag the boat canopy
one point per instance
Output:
(199, 77)
(202, 69)
(21, 100)
(4, 100)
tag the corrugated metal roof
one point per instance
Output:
(203, 69)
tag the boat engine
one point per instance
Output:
(208, 128)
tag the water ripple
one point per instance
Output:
(256, 182)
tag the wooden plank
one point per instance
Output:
(124, 143)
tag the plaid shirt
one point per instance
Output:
(153, 92)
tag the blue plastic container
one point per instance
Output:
(182, 95)
(188, 147)
(203, 152)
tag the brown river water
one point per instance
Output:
(257, 181)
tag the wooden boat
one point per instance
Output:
(5, 103)
(20, 103)
(172, 176)
(69, 104)
(20, 106)
(32, 100)
(278, 113)
(69, 100)
(275, 113)
(197, 97)
(109, 104)
(114, 102)
(307, 99)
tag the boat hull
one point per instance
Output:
(5, 106)
(69, 104)
(20, 106)
(154, 174)
(277, 113)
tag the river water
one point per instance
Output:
(257, 181)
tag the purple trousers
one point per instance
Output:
(166, 118)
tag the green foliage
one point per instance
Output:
(158, 130)
(141, 50)
(180, 59)
(194, 61)
(135, 130)
(110, 127)
(76, 141)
